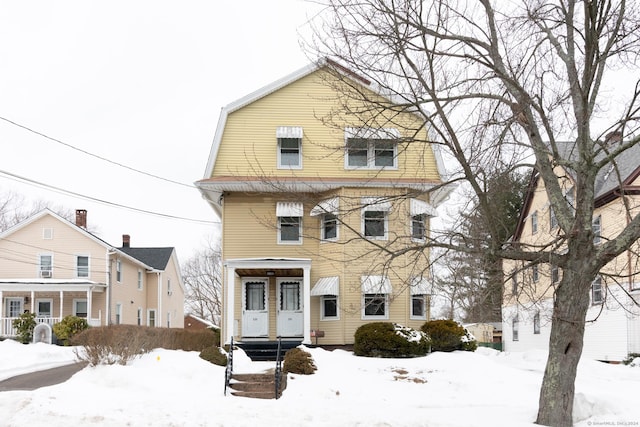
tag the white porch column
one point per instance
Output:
(230, 304)
(62, 304)
(32, 309)
(89, 301)
(306, 304)
(1, 306)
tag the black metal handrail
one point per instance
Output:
(278, 373)
(228, 372)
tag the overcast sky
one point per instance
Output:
(139, 83)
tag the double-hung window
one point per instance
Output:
(327, 211)
(534, 222)
(375, 297)
(597, 291)
(82, 266)
(420, 289)
(46, 265)
(289, 147)
(328, 289)
(375, 218)
(289, 216)
(420, 211)
(596, 226)
(369, 148)
(536, 323)
(515, 326)
(118, 271)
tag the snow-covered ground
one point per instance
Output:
(176, 388)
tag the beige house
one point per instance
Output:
(613, 321)
(309, 207)
(54, 268)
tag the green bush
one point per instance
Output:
(384, 339)
(448, 335)
(631, 359)
(214, 355)
(68, 327)
(298, 361)
(25, 325)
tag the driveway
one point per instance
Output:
(39, 379)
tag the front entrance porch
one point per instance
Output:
(267, 298)
(50, 300)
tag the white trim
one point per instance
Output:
(75, 308)
(372, 133)
(324, 318)
(36, 307)
(420, 207)
(88, 257)
(370, 316)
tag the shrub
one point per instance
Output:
(24, 326)
(68, 327)
(633, 359)
(384, 339)
(298, 361)
(214, 355)
(448, 335)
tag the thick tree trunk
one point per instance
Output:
(565, 348)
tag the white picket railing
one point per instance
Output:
(7, 329)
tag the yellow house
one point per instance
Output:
(613, 321)
(310, 201)
(54, 268)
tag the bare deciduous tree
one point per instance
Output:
(505, 83)
(202, 275)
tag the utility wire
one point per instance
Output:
(105, 202)
(95, 155)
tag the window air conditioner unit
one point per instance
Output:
(45, 274)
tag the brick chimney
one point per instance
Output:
(126, 241)
(81, 218)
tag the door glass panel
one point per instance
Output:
(254, 294)
(290, 296)
(14, 307)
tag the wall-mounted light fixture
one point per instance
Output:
(271, 273)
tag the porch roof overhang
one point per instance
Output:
(50, 285)
(268, 263)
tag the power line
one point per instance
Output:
(29, 181)
(94, 155)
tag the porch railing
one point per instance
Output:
(7, 329)
(228, 372)
(278, 374)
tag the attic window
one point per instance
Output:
(47, 233)
(289, 147)
(367, 148)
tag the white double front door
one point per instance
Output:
(255, 308)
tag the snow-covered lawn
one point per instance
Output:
(176, 388)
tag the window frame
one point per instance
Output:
(423, 300)
(151, 317)
(41, 265)
(534, 222)
(371, 147)
(367, 304)
(281, 164)
(282, 241)
(515, 327)
(329, 298)
(553, 221)
(77, 301)
(597, 288)
(535, 273)
(325, 219)
(88, 266)
(384, 220)
(555, 274)
(596, 227)
(421, 220)
(37, 306)
(140, 283)
(536, 323)
(118, 271)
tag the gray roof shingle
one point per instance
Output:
(154, 257)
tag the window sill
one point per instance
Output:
(285, 243)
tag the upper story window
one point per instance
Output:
(289, 222)
(553, 221)
(597, 291)
(596, 226)
(82, 266)
(140, 280)
(47, 233)
(327, 210)
(368, 148)
(118, 270)
(46, 265)
(534, 222)
(535, 275)
(289, 147)
(375, 218)
(420, 211)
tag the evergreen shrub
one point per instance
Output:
(68, 327)
(385, 339)
(449, 335)
(299, 361)
(25, 324)
(214, 355)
